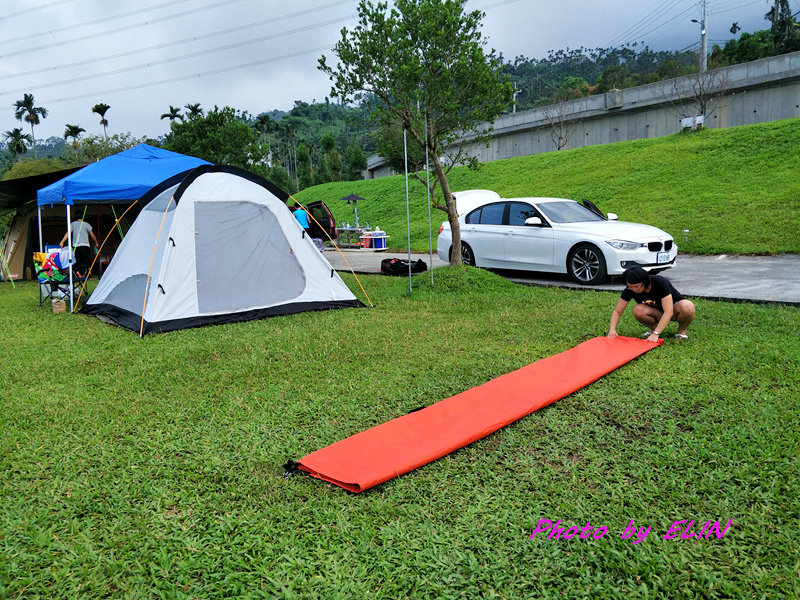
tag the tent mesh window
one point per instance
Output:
(241, 253)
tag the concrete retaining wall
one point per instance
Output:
(755, 92)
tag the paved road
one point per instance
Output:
(723, 277)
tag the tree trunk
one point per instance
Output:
(34, 143)
(452, 214)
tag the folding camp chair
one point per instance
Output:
(54, 282)
(56, 286)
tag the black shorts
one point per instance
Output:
(83, 255)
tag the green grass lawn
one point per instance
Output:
(151, 468)
(736, 190)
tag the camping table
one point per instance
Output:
(349, 237)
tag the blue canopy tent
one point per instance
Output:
(122, 177)
(118, 179)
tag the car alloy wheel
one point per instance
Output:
(587, 265)
(467, 257)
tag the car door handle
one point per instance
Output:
(510, 232)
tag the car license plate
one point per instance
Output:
(663, 257)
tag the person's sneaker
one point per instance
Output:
(647, 334)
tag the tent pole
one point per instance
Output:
(5, 271)
(408, 211)
(100, 248)
(150, 269)
(119, 228)
(428, 192)
(69, 258)
(39, 218)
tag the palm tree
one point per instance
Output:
(101, 110)
(192, 110)
(174, 113)
(18, 142)
(74, 132)
(263, 125)
(26, 110)
(290, 133)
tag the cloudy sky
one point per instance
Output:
(141, 56)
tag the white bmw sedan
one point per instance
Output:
(553, 235)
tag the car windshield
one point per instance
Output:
(568, 212)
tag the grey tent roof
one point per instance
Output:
(17, 192)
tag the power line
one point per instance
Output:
(657, 19)
(187, 40)
(727, 5)
(140, 86)
(496, 4)
(86, 24)
(34, 9)
(633, 32)
(631, 27)
(119, 29)
(675, 18)
(150, 64)
(737, 7)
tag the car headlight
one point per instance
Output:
(623, 245)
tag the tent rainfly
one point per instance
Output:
(118, 178)
(219, 246)
(19, 196)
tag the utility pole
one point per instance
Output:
(703, 38)
(516, 91)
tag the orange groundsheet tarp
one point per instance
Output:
(396, 447)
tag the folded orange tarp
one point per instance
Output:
(396, 447)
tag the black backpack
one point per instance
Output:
(398, 266)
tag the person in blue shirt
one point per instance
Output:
(302, 217)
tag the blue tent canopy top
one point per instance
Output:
(118, 178)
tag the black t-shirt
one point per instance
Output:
(660, 287)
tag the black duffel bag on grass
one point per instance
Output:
(398, 266)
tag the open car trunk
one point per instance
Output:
(324, 217)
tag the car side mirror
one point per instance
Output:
(612, 216)
(533, 221)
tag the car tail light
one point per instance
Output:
(441, 229)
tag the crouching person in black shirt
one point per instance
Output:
(657, 303)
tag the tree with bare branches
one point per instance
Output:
(695, 95)
(425, 63)
(561, 121)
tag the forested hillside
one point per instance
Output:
(320, 142)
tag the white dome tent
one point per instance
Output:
(215, 245)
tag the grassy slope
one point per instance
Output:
(151, 468)
(736, 190)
